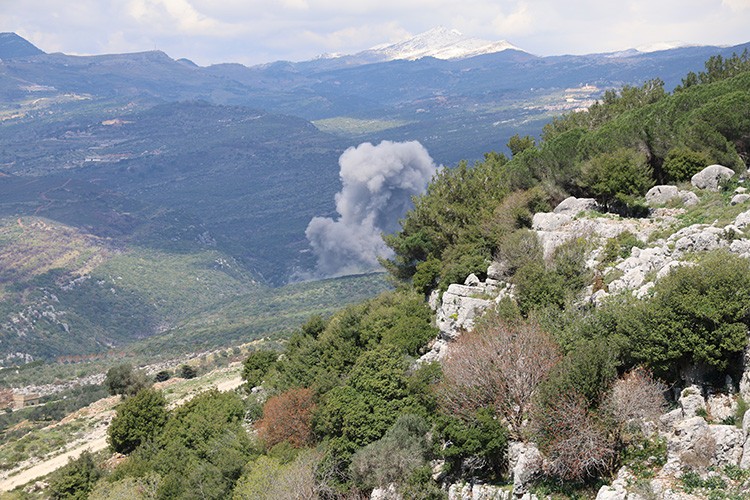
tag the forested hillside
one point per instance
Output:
(345, 408)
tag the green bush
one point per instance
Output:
(517, 249)
(187, 372)
(619, 247)
(125, 381)
(698, 315)
(256, 365)
(375, 394)
(76, 479)
(538, 287)
(477, 447)
(138, 419)
(588, 371)
(615, 176)
(394, 457)
(682, 163)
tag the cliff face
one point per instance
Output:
(703, 437)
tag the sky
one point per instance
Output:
(258, 31)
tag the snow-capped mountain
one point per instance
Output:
(441, 43)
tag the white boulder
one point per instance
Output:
(572, 206)
(710, 177)
(659, 195)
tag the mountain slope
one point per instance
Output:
(13, 46)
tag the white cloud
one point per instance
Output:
(736, 5)
(178, 16)
(518, 22)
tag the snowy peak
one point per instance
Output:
(441, 43)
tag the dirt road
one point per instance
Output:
(43, 468)
(96, 441)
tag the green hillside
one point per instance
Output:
(67, 292)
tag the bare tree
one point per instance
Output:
(498, 365)
(575, 444)
(636, 398)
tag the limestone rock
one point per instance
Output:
(710, 177)
(689, 445)
(670, 419)
(739, 198)
(618, 489)
(468, 491)
(742, 220)
(438, 470)
(434, 300)
(688, 198)
(472, 280)
(438, 351)
(496, 271)
(745, 461)
(543, 221)
(691, 401)
(659, 195)
(525, 462)
(460, 306)
(697, 238)
(720, 407)
(573, 206)
(389, 493)
(729, 441)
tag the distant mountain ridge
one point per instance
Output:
(12, 46)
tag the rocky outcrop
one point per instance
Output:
(711, 177)
(638, 272)
(459, 307)
(573, 206)
(388, 493)
(462, 304)
(660, 195)
(698, 434)
(525, 462)
(618, 489)
(745, 460)
(469, 491)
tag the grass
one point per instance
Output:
(39, 443)
(351, 127)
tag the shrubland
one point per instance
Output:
(342, 408)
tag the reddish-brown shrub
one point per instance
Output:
(498, 365)
(576, 446)
(288, 417)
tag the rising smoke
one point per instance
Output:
(378, 183)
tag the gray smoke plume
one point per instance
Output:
(378, 183)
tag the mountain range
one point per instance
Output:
(161, 159)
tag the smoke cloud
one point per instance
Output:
(378, 183)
